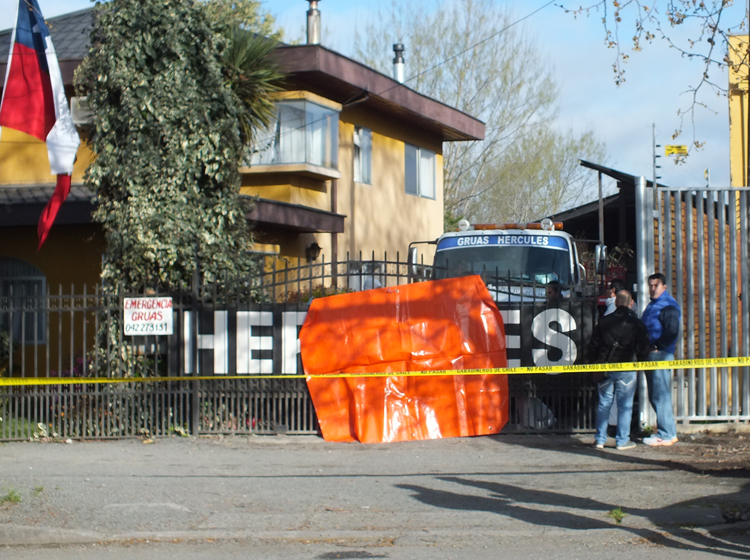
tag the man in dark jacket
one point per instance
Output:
(619, 337)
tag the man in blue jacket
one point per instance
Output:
(662, 319)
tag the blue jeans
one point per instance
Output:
(619, 385)
(659, 384)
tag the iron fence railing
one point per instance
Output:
(46, 336)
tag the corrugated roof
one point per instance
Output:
(70, 35)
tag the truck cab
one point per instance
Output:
(516, 261)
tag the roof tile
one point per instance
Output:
(70, 35)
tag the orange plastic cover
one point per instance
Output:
(440, 325)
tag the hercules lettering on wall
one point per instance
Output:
(257, 342)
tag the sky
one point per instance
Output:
(621, 117)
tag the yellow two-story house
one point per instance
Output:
(352, 164)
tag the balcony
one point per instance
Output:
(303, 139)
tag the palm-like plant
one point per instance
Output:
(253, 75)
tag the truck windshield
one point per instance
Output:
(515, 263)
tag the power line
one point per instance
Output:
(475, 45)
(411, 78)
(433, 67)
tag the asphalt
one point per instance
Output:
(295, 490)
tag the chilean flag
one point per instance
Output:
(34, 102)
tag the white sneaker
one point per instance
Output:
(654, 441)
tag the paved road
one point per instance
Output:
(300, 497)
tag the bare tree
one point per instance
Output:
(697, 29)
(537, 177)
(474, 56)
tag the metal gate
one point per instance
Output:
(699, 241)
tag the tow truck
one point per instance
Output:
(518, 262)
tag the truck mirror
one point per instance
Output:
(600, 256)
(581, 274)
(412, 261)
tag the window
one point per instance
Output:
(362, 155)
(22, 291)
(419, 171)
(302, 132)
(521, 263)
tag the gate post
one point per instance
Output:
(195, 393)
(644, 250)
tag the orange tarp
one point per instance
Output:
(440, 325)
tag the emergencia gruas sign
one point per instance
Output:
(148, 316)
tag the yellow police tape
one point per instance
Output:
(577, 368)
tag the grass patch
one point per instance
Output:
(15, 428)
(37, 491)
(617, 514)
(647, 431)
(12, 497)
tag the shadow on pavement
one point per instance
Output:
(513, 501)
(570, 444)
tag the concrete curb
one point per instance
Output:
(22, 536)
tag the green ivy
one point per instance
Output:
(167, 146)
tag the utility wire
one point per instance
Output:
(475, 45)
(431, 68)
(411, 78)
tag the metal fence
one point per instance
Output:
(701, 243)
(246, 328)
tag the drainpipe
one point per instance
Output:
(364, 96)
(398, 63)
(313, 23)
(334, 235)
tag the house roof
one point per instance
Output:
(586, 216)
(349, 82)
(295, 217)
(314, 67)
(619, 210)
(621, 177)
(70, 36)
(40, 194)
(21, 205)
(585, 210)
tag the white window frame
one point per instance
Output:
(302, 132)
(420, 171)
(362, 141)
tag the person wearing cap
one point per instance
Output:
(619, 337)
